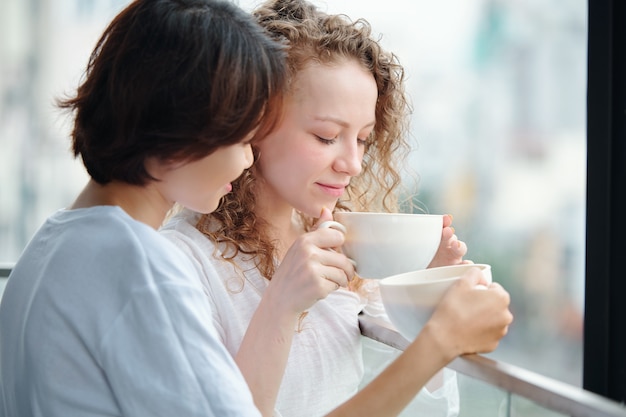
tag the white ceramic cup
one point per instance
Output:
(410, 298)
(385, 244)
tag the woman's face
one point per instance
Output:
(307, 162)
(199, 185)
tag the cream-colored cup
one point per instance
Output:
(385, 244)
(410, 298)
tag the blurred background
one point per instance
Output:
(498, 90)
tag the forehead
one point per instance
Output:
(334, 84)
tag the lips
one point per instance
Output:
(335, 190)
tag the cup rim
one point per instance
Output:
(397, 280)
(374, 213)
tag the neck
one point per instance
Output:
(284, 223)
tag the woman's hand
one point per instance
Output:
(472, 317)
(451, 250)
(311, 269)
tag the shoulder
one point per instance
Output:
(182, 225)
(181, 231)
(114, 240)
(218, 270)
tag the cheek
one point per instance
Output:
(282, 172)
(226, 167)
(199, 186)
(290, 155)
(275, 169)
(275, 154)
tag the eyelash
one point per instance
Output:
(325, 141)
(331, 141)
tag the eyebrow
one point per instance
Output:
(342, 122)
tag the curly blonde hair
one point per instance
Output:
(311, 35)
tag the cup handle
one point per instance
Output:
(333, 225)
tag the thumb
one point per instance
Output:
(325, 215)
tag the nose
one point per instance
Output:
(350, 159)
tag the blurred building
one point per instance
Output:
(504, 150)
(44, 47)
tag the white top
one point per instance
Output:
(102, 316)
(325, 365)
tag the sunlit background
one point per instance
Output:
(498, 90)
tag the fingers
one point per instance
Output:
(308, 274)
(316, 248)
(472, 278)
(447, 233)
(327, 279)
(501, 316)
(497, 287)
(331, 269)
(331, 285)
(322, 242)
(451, 250)
(504, 294)
(337, 268)
(328, 235)
(452, 241)
(474, 314)
(461, 247)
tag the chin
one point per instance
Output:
(206, 208)
(314, 211)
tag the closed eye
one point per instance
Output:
(365, 141)
(326, 141)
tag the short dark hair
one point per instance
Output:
(175, 80)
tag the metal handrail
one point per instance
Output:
(549, 393)
(5, 269)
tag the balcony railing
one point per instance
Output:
(543, 396)
(5, 270)
(544, 393)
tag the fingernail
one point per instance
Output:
(453, 230)
(322, 212)
(451, 216)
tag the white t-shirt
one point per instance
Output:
(326, 362)
(102, 316)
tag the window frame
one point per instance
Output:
(604, 362)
